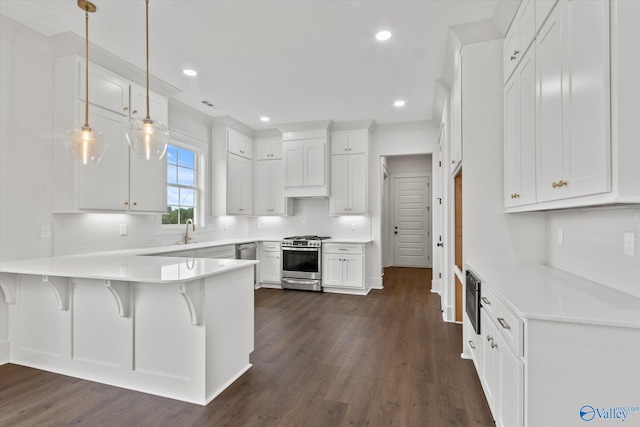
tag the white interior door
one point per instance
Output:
(411, 220)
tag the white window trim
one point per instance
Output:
(182, 140)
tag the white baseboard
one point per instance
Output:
(449, 314)
(376, 283)
(435, 286)
(4, 352)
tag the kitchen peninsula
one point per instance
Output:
(175, 327)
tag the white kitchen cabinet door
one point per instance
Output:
(106, 89)
(268, 148)
(269, 187)
(270, 267)
(294, 155)
(352, 271)
(239, 185)
(543, 9)
(488, 371)
(105, 185)
(550, 86)
(314, 162)
(358, 184)
(349, 142)
(148, 184)
(158, 105)
(519, 37)
(239, 144)
(332, 270)
(509, 387)
(520, 142)
(574, 145)
(339, 201)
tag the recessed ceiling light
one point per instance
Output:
(190, 73)
(399, 103)
(383, 35)
(264, 119)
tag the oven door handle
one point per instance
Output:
(300, 248)
(299, 281)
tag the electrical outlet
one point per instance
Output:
(45, 231)
(124, 229)
(353, 226)
(630, 243)
(560, 236)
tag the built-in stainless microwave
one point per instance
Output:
(473, 300)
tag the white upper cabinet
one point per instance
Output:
(455, 148)
(543, 9)
(519, 134)
(349, 181)
(231, 185)
(239, 144)
(519, 37)
(349, 142)
(158, 105)
(574, 146)
(306, 164)
(120, 182)
(269, 188)
(268, 148)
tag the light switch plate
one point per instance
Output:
(124, 230)
(45, 231)
(630, 243)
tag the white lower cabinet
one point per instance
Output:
(270, 263)
(502, 371)
(343, 266)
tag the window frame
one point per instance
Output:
(201, 150)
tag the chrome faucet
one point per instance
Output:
(186, 234)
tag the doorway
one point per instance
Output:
(458, 244)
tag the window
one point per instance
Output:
(182, 185)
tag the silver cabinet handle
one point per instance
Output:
(503, 323)
(472, 345)
(485, 300)
(493, 345)
(489, 338)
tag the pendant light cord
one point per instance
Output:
(86, 70)
(147, 26)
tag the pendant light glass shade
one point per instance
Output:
(85, 144)
(147, 138)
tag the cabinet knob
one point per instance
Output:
(559, 184)
(453, 161)
(126, 203)
(134, 112)
(515, 52)
(135, 203)
(125, 108)
(493, 345)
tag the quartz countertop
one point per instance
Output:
(537, 291)
(124, 266)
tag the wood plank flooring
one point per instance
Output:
(320, 359)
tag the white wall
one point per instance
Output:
(593, 245)
(415, 163)
(26, 111)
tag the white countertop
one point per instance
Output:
(124, 266)
(541, 292)
(358, 241)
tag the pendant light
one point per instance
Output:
(87, 145)
(148, 138)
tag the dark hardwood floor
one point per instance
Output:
(320, 360)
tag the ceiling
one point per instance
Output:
(293, 61)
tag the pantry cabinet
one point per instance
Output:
(519, 134)
(120, 182)
(269, 188)
(239, 185)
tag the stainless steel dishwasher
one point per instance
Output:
(248, 251)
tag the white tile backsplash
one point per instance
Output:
(593, 246)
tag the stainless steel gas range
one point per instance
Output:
(302, 262)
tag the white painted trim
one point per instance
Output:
(4, 352)
(361, 292)
(435, 286)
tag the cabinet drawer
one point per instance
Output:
(489, 301)
(512, 329)
(270, 246)
(340, 248)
